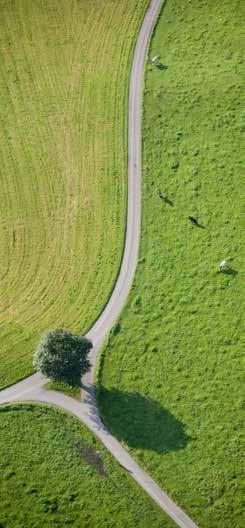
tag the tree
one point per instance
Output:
(62, 356)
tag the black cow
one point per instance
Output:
(193, 220)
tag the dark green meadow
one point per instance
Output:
(55, 474)
(171, 375)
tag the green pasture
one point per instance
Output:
(64, 70)
(171, 374)
(54, 473)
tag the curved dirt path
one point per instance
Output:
(31, 389)
(120, 293)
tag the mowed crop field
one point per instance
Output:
(171, 374)
(64, 72)
(54, 473)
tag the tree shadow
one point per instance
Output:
(161, 66)
(140, 421)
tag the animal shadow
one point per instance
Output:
(162, 67)
(168, 201)
(165, 198)
(195, 222)
(230, 271)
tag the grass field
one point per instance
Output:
(171, 373)
(54, 473)
(71, 390)
(64, 72)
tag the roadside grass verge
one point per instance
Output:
(171, 378)
(64, 72)
(55, 473)
(71, 390)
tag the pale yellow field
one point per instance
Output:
(64, 72)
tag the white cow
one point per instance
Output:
(223, 265)
(154, 59)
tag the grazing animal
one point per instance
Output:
(154, 59)
(165, 198)
(193, 220)
(161, 195)
(223, 265)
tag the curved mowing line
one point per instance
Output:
(31, 389)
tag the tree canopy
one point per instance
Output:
(62, 356)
